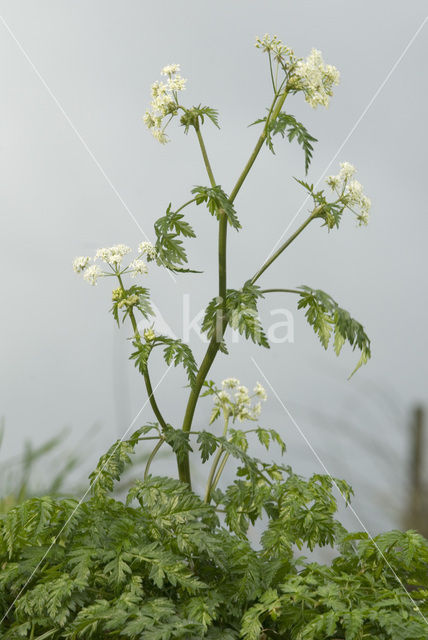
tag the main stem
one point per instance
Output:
(214, 345)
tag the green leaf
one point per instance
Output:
(170, 251)
(327, 318)
(112, 464)
(208, 444)
(177, 352)
(242, 314)
(141, 354)
(286, 125)
(192, 117)
(178, 440)
(217, 202)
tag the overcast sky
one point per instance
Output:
(79, 171)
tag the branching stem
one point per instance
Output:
(214, 345)
(151, 457)
(146, 376)
(284, 246)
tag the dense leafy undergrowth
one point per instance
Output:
(166, 564)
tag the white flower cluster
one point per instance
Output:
(113, 257)
(92, 273)
(351, 191)
(138, 266)
(146, 248)
(273, 45)
(235, 401)
(164, 101)
(316, 79)
(80, 263)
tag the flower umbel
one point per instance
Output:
(315, 79)
(146, 248)
(138, 266)
(164, 101)
(80, 263)
(350, 192)
(113, 255)
(236, 402)
(92, 273)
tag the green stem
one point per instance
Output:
(281, 290)
(211, 474)
(205, 156)
(214, 345)
(215, 462)
(152, 400)
(147, 380)
(274, 111)
(215, 341)
(284, 246)
(220, 471)
(151, 457)
(186, 204)
(271, 72)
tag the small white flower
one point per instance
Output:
(244, 413)
(224, 396)
(351, 192)
(170, 69)
(354, 192)
(160, 135)
(177, 83)
(257, 409)
(80, 263)
(260, 391)
(333, 182)
(242, 396)
(113, 255)
(146, 248)
(230, 383)
(138, 266)
(92, 274)
(347, 170)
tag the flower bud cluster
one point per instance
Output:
(149, 335)
(235, 401)
(350, 192)
(164, 101)
(274, 46)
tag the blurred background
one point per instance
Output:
(80, 171)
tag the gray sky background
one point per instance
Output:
(63, 360)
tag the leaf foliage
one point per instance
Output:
(162, 565)
(241, 312)
(286, 124)
(328, 320)
(217, 202)
(170, 251)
